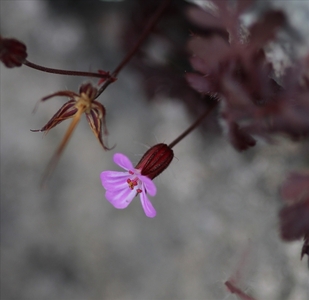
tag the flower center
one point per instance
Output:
(134, 183)
(84, 103)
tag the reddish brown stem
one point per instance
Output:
(64, 72)
(194, 125)
(151, 24)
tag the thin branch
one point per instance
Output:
(65, 72)
(194, 125)
(152, 22)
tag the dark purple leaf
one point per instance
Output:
(294, 220)
(295, 187)
(240, 139)
(199, 83)
(211, 50)
(203, 18)
(265, 29)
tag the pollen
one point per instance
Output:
(132, 183)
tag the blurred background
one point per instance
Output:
(216, 208)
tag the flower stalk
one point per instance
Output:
(101, 75)
(152, 23)
(194, 125)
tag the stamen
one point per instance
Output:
(132, 183)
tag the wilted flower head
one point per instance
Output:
(122, 187)
(12, 52)
(80, 103)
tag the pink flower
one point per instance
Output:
(122, 187)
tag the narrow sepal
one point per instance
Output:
(68, 110)
(96, 120)
(69, 94)
(155, 160)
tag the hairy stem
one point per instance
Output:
(194, 125)
(151, 24)
(64, 72)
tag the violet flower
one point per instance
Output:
(122, 187)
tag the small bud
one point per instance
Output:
(155, 160)
(89, 90)
(12, 52)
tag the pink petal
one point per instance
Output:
(113, 180)
(123, 161)
(147, 206)
(121, 198)
(149, 185)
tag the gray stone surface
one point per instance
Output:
(67, 242)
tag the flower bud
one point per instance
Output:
(12, 52)
(155, 160)
(89, 90)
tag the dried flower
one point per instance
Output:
(77, 105)
(80, 103)
(12, 52)
(122, 187)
